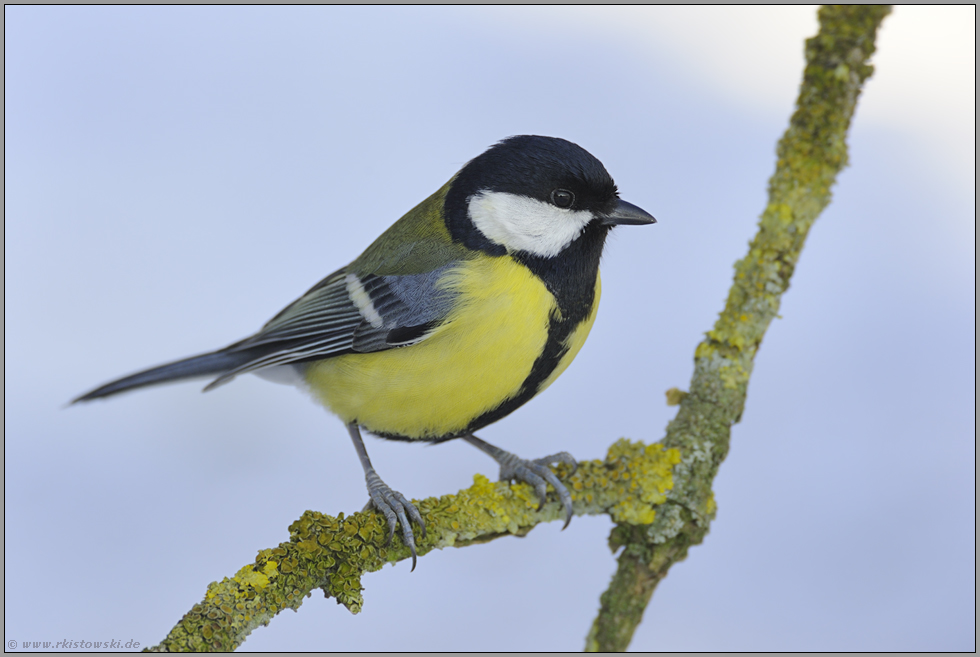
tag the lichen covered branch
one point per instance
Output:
(332, 553)
(810, 155)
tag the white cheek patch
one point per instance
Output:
(519, 223)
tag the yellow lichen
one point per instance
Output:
(333, 553)
(250, 577)
(648, 479)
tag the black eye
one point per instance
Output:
(562, 198)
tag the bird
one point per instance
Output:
(463, 310)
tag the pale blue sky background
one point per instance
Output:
(174, 176)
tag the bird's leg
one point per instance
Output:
(535, 472)
(390, 502)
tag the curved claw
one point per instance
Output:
(538, 474)
(563, 494)
(396, 509)
(534, 472)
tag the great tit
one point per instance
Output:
(463, 310)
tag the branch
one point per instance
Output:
(810, 155)
(333, 553)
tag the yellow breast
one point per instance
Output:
(473, 362)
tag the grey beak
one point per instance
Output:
(628, 214)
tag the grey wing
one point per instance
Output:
(347, 313)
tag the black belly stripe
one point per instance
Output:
(554, 349)
(559, 330)
(570, 277)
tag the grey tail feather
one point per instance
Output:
(217, 362)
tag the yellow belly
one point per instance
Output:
(471, 364)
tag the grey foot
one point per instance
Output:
(396, 509)
(395, 506)
(534, 472)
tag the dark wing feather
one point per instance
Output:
(384, 312)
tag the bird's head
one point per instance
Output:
(534, 195)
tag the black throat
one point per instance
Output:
(570, 277)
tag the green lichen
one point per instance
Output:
(333, 553)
